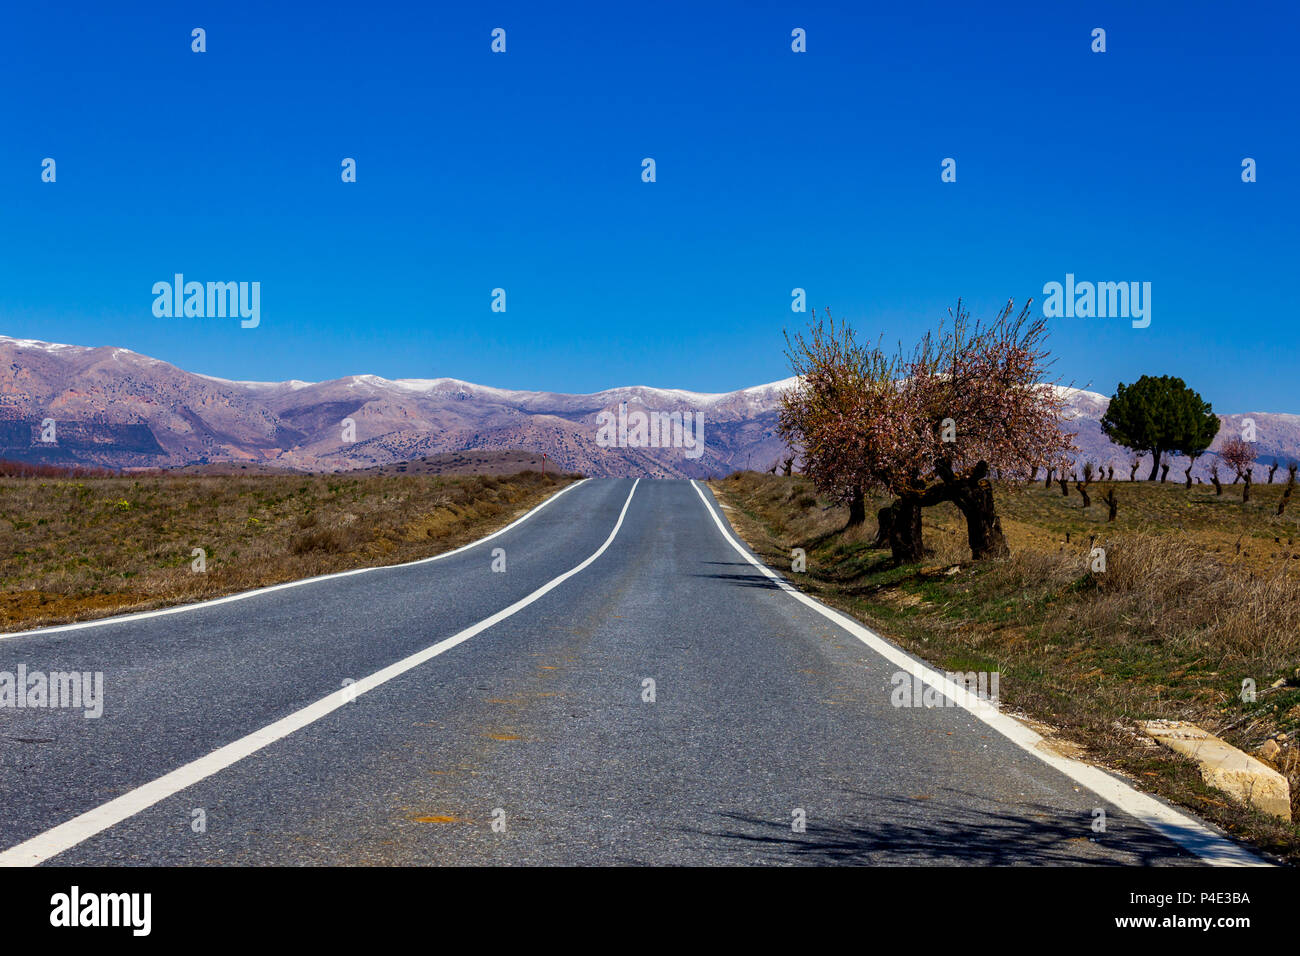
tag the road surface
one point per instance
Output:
(493, 724)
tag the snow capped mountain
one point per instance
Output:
(297, 424)
(118, 408)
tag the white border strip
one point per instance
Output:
(244, 595)
(67, 835)
(1183, 830)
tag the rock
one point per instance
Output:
(1269, 750)
(1224, 767)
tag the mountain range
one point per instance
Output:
(112, 407)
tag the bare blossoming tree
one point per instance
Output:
(1239, 456)
(926, 427)
(840, 382)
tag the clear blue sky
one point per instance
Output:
(775, 170)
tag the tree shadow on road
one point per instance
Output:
(755, 579)
(944, 833)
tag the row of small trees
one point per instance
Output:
(23, 469)
(926, 426)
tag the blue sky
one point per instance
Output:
(775, 170)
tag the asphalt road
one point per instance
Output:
(530, 741)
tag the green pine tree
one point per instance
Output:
(1160, 415)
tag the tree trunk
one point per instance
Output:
(983, 526)
(973, 495)
(1048, 483)
(1286, 492)
(884, 521)
(1245, 491)
(857, 509)
(1065, 488)
(905, 542)
(1083, 491)
(1155, 464)
(1164, 472)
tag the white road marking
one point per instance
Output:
(244, 595)
(1181, 829)
(67, 835)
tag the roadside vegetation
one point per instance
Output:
(1098, 602)
(80, 547)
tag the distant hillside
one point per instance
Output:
(472, 462)
(116, 408)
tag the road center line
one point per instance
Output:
(1181, 829)
(67, 835)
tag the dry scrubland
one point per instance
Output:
(86, 547)
(1199, 592)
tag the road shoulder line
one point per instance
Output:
(1188, 833)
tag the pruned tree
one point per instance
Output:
(1112, 502)
(1082, 485)
(787, 466)
(1271, 470)
(928, 426)
(1160, 415)
(1290, 485)
(1214, 477)
(1239, 456)
(1134, 464)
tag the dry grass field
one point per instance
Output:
(76, 548)
(1199, 593)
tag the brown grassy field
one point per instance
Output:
(1199, 593)
(78, 548)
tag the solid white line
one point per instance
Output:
(67, 835)
(244, 595)
(1183, 830)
